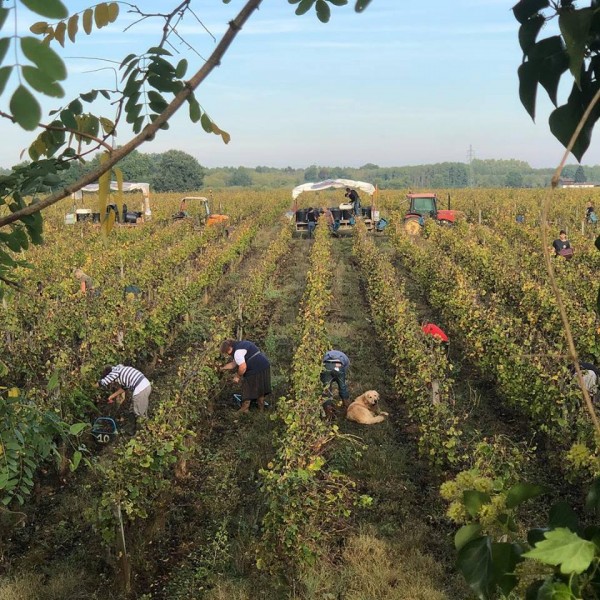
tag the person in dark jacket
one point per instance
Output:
(253, 370)
(311, 217)
(353, 197)
(561, 244)
(335, 368)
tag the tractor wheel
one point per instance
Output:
(412, 227)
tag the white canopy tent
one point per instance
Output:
(333, 183)
(127, 187)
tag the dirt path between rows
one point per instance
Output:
(406, 523)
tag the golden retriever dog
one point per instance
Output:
(364, 409)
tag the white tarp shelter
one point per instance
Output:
(128, 186)
(333, 183)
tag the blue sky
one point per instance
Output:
(402, 83)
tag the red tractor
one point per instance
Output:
(423, 206)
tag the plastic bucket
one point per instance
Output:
(381, 224)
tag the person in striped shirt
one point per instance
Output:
(128, 378)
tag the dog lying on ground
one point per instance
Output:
(364, 409)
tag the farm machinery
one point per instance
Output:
(124, 216)
(205, 216)
(423, 206)
(343, 216)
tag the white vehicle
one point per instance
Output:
(128, 216)
(343, 214)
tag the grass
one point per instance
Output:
(378, 569)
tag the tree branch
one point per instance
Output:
(550, 264)
(150, 130)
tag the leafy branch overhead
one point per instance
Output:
(574, 48)
(151, 88)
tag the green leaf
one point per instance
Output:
(465, 534)
(43, 57)
(76, 460)
(181, 68)
(553, 590)
(474, 500)
(566, 549)
(575, 27)
(562, 515)
(157, 102)
(206, 123)
(550, 72)
(126, 60)
(68, 119)
(53, 9)
(3, 14)
(521, 492)
(528, 81)
(89, 96)
(157, 50)
(528, 32)
(563, 122)
(4, 76)
(304, 6)
(592, 499)
(505, 557)
(53, 382)
(77, 428)
(338, 2)
(40, 82)
(475, 563)
(76, 107)
(25, 108)
(195, 112)
(4, 45)
(361, 5)
(525, 9)
(536, 535)
(323, 11)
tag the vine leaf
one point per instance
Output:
(565, 548)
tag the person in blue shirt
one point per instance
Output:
(253, 371)
(335, 368)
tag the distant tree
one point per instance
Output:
(368, 167)
(240, 177)
(514, 179)
(311, 174)
(568, 172)
(457, 175)
(324, 173)
(177, 171)
(138, 166)
(580, 175)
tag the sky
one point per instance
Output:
(403, 83)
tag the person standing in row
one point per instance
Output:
(253, 371)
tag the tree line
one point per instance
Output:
(178, 171)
